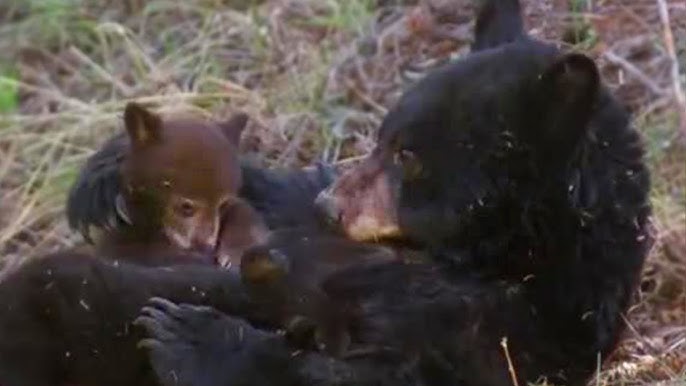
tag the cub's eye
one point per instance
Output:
(410, 164)
(186, 208)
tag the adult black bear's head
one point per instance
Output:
(493, 150)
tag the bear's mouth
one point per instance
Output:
(363, 202)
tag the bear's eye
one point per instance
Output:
(409, 163)
(186, 208)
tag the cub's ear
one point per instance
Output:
(234, 126)
(143, 126)
(569, 90)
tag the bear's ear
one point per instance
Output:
(233, 127)
(143, 126)
(568, 89)
(498, 22)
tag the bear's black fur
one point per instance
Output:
(249, 356)
(285, 278)
(67, 319)
(522, 178)
(250, 350)
(285, 197)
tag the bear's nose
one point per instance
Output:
(326, 204)
(203, 248)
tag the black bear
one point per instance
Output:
(522, 180)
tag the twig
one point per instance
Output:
(286, 156)
(350, 160)
(656, 104)
(54, 95)
(510, 366)
(598, 368)
(631, 12)
(176, 97)
(633, 45)
(366, 99)
(6, 158)
(676, 79)
(85, 59)
(633, 70)
(675, 345)
(640, 337)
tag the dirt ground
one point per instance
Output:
(316, 77)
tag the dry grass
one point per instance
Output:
(317, 76)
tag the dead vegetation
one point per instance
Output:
(317, 76)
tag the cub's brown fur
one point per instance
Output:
(180, 178)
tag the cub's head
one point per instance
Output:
(179, 176)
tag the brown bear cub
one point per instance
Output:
(179, 185)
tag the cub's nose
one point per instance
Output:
(326, 204)
(203, 248)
